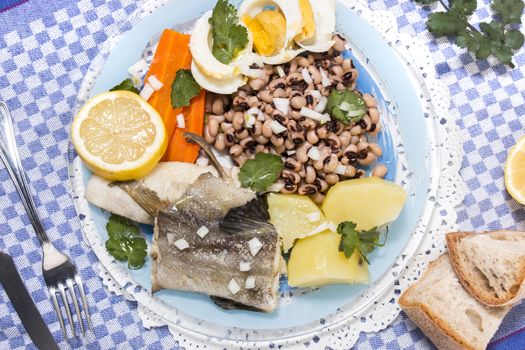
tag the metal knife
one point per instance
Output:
(24, 305)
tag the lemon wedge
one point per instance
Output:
(515, 171)
(119, 136)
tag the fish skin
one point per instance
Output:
(209, 264)
(211, 198)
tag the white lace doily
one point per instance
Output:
(377, 306)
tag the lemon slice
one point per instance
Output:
(119, 135)
(515, 171)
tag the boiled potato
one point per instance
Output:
(316, 261)
(368, 202)
(294, 216)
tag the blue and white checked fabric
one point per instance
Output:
(45, 49)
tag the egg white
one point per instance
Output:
(224, 86)
(201, 52)
(324, 18)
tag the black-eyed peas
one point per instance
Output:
(340, 149)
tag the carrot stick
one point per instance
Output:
(179, 149)
(172, 55)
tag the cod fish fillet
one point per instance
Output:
(169, 181)
(212, 264)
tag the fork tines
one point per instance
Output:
(65, 281)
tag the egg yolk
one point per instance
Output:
(268, 29)
(308, 30)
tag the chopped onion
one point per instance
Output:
(203, 231)
(182, 244)
(155, 83)
(249, 120)
(310, 113)
(345, 106)
(314, 217)
(282, 104)
(276, 187)
(276, 127)
(250, 282)
(316, 94)
(321, 105)
(290, 152)
(324, 78)
(171, 238)
(314, 153)
(233, 286)
(280, 71)
(245, 266)
(147, 91)
(138, 68)
(306, 76)
(255, 112)
(355, 113)
(181, 123)
(340, 170)
(202, 161)
(332, 226)
(255, 245)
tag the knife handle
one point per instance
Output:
(11, 159)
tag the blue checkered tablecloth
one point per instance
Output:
(45, 49)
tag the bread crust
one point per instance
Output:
(434, 327)
(453, 239)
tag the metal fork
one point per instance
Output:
(60, 273)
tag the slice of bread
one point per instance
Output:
(447, 313)
(491, 266)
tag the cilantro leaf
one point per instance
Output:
(125, 243)
(425, 2)
(356, 107)
(229, 36)
(125, 85)
(514, 39)
(363, 241)
(183, 89)
(445, 23)
(497, 38)
(463, 8)
(261, 172)
(509, 10)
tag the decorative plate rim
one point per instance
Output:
(446, 192)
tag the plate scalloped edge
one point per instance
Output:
(383, 309)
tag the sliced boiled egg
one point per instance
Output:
(223, 86)
(324, 18)
(201, 52)
(274, 25)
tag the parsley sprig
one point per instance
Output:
(499, 37)
(125, 243)
(364, 241)
(229, 36)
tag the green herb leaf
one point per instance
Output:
(363, 241)
(425, 2)
(356, 102)
(445, 23)
(229, 36)
(261, 172)
(514, 39)
(509, 10)
(183, 89)
(125, 85)
(463, 8)
(125, 243)
(504, 55)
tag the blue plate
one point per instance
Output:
(404, 140)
